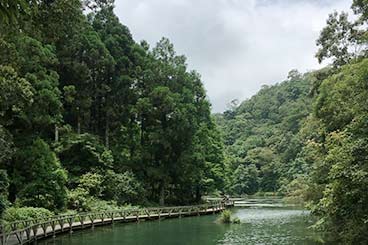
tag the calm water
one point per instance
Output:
(260, 225)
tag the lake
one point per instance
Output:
(262, 222)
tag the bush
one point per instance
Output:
(236, 220)
(13, 214)
(78, 199)
(225, 218)
(4, 183)
(85, 195)
(123, 188)
(95, 204)
(91, 182)
(42, 179)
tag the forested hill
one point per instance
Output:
(90, 119)
(261, 136)
(307, 137)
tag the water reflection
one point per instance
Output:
(260, 224)
(271, 226)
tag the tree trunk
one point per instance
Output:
(56, 133)
(198, 195)
(162, 194)
(78, 125)
(107, 133)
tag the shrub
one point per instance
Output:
(225, 217)
(85, 195)
(4, 183)
(123, 188)
(236, 220)
(91, 182)
(77, 199)
(42, 179)
(13, 214)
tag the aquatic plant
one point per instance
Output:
(225, 218)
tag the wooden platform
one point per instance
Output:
(28, 231)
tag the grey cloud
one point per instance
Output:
(237, 45)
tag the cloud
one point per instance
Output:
(237, 45)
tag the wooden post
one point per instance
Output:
(34, 228)
(70, 221)
(61, 223)
(53, 228)
(81, 219)
(20, 237)
(44, 228)
(28, 231)
(3, 234)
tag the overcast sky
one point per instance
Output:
(237, 45)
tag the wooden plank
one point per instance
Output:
(23, 232)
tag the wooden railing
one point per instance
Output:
(31, 230)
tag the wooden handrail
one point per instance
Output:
(29, 230)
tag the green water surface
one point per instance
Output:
(260, 225)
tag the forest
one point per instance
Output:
(91, 120)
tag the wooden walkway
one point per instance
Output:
(32, 230)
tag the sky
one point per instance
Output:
(236, 45)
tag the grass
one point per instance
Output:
(225, 218)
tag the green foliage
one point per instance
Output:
(6, 146)
(123, 188)
(41, 180)
(244, 180)
(15, 95)
(4, 184)
(91, 182)
(340, 175)
(78, 94)
(14, 214)
(297, 191)
(10, 9)
(262, 139)
(236, 220)
(82, 153)
(226, 218)
(77, 199)
(88, 190)
(342, 39)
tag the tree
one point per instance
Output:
(4, 184)
(344, 40)
(16, 94)
(245, 180)
(342, 173)
(10, 9)
(41, 180)
(264, 131)
(83, 153)
(124, 188)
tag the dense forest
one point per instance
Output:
(262, 137)
(306, 138)
(92, 120)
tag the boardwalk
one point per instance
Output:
(32, 230)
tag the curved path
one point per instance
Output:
(28, 231)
